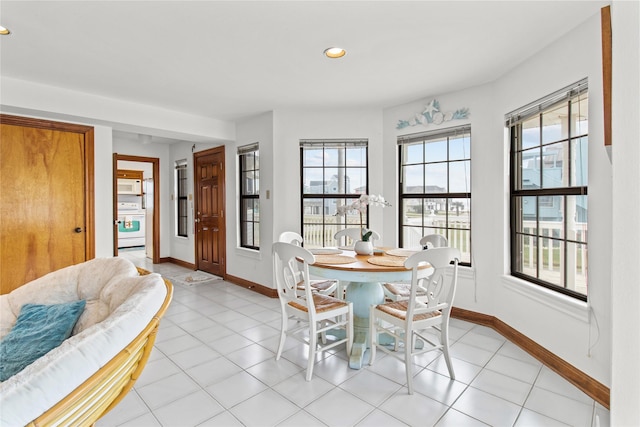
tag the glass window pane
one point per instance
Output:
(332, 180)
(576, 279)
(531, 133)
(412, 212)
(256, 234)
(526, 253)
(334, 157)
(528, 215)
(580, 115)
(554, 174)
(356, 156)
(313, 180)
(313, 157)
(356, 180)
(248, 234)
(248, 181)
(411, 237)
(413, 153)
(579, 155)
(577, 218)
(436, 177)
(555, 124)
(435, 151)
(551, 214)
(550, 254)
(249, 161)
(256, 189)
(460, 177)
(412, 179)
(247, 210)
(435, 213)
(530, 168)
(460, 213)
(460, 147)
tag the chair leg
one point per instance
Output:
(283, 335)
(408, 359)
(444, 337)
(313, 343)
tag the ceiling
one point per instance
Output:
(233, 59)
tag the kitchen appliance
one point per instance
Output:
(131, 225)
(129, 186)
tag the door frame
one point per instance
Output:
(89, 169)
(196, 199)
(156, 200)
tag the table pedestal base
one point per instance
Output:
(363, 295)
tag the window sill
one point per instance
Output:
(563, 303)
(248, 253)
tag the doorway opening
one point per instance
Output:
(136, 201)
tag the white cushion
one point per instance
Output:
(120, 304)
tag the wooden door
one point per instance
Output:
(209, 211)
(46, 198)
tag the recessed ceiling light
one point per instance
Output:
(4, 31)
(335, 52)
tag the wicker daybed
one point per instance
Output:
(90, 372)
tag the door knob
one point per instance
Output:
(78, 230)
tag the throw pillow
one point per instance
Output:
(38, 330)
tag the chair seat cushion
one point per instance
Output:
(38, 329)
(402, 289)
(322, 302)
(399, 309)
(318, 285)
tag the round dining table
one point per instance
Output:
(363, 276)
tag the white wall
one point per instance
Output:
(248, 264)
(103, 190)
(28, 98)
(558, 323)
(625, 392)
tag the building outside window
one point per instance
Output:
(549, 158)
(249, 167)
(435, 188)
(182, 203)
(334, 173)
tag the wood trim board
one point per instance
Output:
(590, 386)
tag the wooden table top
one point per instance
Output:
(361, 263)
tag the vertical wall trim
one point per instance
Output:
(605, 22)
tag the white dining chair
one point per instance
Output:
(430, 241)
(322, 286)
(399, 291)
(348, 236)
(312, 313)
(412, 320)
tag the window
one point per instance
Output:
(435, 188)
(249, 160)
(333, 173)
(549, 154)
(181, 199)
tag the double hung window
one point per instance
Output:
(182, 208)
(334, 173)
(435, 188)
(249, 167)
(549, 158)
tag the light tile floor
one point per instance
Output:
(214, 365)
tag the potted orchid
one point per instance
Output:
(360, 205)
